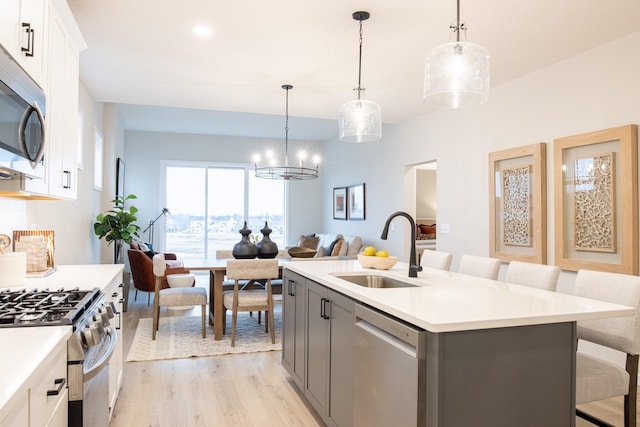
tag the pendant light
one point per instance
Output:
(286, 172)
(457, 73)
(360, 120)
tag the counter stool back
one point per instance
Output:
(480, 266)
(533, 275)
(598, 379)
(436, 259)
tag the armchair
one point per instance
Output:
(142, 270)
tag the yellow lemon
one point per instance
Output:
(369, 251)
(382, 253)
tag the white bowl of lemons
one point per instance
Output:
(377, 259)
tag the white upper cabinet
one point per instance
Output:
(22, 34)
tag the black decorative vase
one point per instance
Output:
(266, 247)
(244, 249)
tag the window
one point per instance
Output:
(209, 205)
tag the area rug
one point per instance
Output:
(181, 337)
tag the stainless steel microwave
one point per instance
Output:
(22, 126)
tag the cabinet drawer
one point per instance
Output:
(49, 386)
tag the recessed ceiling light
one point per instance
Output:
(202, 30)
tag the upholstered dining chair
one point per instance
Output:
(254, 299)
(172, 297)
(479, 266)
(598, 379)
(436, 259)
(533, 275)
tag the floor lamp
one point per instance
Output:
(149, 228)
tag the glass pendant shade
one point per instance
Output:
(360, 120)
(457, 75)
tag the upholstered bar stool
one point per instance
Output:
(596, 378)
(533, 275)
(436, 259)
(479, 266)
(254, 299)
(173, 297)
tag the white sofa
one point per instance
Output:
(351, 245)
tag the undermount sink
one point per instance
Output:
(375, 281)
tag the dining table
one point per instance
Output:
(217, 268)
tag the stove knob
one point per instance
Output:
(112, 307)
(99, 326)
(108, 308)
(91, 334)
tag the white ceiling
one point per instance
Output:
(144, 53)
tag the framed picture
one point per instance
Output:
(517, 204)
(120, 178)
(340, 203)
(596, 200)
(356, 202)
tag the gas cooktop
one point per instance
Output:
(44, 307)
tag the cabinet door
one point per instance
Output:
(317, 366)
(62, 109)
(18, 415)
(113, 293)
(293, 333)
(340, 408)
(9, 24)
(32, 34)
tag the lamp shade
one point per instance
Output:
(457, 75)
(360, 120)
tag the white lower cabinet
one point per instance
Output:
(43, 400)
(114, 293)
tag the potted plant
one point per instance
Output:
(118, 224)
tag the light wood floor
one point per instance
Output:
(232, 390)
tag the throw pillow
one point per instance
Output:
(337, 247)
(143, 247)
(332, 245)
(309, 242)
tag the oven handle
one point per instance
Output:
(95, 369)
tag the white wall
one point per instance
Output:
(596, 90)
(145, 151)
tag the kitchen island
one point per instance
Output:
(496, 354)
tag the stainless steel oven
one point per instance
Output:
(22, 125)
(89, 348)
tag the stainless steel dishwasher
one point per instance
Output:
(389, 371)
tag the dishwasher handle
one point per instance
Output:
(402, 335)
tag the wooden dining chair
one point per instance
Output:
(172, 297)
(251, 299)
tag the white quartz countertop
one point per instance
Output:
(85, 277)
(23, 350)
(446, 301)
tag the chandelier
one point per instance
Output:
(457, 73)
(286, 171)
(360, 120)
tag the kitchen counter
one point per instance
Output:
(446, 301)
(23, 350)
(85, 277)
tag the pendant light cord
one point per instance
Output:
(286, 127)
(360, 62)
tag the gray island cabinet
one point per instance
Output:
(496, 354)
(317, 346)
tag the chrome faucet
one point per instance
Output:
(413, 265)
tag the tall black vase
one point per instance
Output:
(244, 249)
(267, 248)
